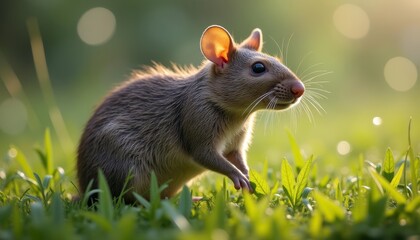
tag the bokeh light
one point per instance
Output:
(12, 153)
(13, 116)
(343, 148)
(377, 121)
(400, 73)
(351, 21)
(96, 26)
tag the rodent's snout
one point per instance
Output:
(297, 89)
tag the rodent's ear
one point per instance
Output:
(217, 45)
(254, 41)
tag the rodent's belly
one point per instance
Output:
(180, 176)
(175, 170)
(181, 168)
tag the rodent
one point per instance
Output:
(181, 122)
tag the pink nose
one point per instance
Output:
(298, 89)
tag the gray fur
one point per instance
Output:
(180, 123)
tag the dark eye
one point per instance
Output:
(258, 67)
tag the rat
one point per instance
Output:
(181, 122)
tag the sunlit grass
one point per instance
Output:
(374, 200)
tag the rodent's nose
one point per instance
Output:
(297, 89)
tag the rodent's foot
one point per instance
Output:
(241, 181)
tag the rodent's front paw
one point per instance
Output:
(241, 181)
(246, 173)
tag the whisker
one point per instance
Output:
(315, 87)
(264, 118)
(311, 67)
(317, 94)
(287, 48)
(308, 111)
(300, 109)
(255, 103)
(316, 83)
(271, 106)
(305, 110)
(315, 104)
(314, 74)
(294, 112)
(280, 49)
(320, 74)
(301, 62)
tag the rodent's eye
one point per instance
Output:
(258, 67)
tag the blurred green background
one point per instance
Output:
(371, 48)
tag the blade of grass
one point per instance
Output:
(338, 192)
(185, 202)
(41, 188)
(105, 206)
(154, 193)
(388, 165)
(48, 152)
(125, 188)
(41, 69)
(126, 227)
(302, 180)
(392, 192)
(274, 189)
(251, 207)
(38, 213)
(142, 200)
(397, 178)
(22, 161)
(288, 180)
(178, 219)
(377, 203)
(261, 186)
(99, 220)
(413, 205)
(296, 151)
(315, 225)
(57, 210)
(217, 218)
(328, 208)
(16, 220)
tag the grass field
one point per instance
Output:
(295, 199)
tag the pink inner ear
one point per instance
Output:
(222, 54)
(254, 41)
(216, 53)
(216, 45)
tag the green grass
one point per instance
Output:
(373, 201)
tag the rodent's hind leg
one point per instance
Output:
(236, 159)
